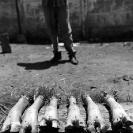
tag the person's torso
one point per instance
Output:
(54, 3)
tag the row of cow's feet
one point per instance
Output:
(23, 117)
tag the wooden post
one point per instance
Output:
(83, 8)
(21, 16)
(4, 42)
(21, 22)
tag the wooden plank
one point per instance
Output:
(4, 42)
(83, 8)
(21, 16)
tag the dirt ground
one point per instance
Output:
(106, 66)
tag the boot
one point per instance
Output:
(72, 58)
(56, 58)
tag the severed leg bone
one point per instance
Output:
(94, 120)
(119, 118)
(74, 118)
(13, 120)
(30, 119)
(50, 118)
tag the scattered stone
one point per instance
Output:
(126, 77)
(104, 44)
(116, 80)
(131, 77)
(76, 44)
(61, 44)
(127, 44)
(93, 87)
(47, 47)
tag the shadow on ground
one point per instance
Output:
(41, 65)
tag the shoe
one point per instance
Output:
(72, 58)
(56, 58)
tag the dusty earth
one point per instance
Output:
(106, 66)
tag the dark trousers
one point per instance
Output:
(59, 16)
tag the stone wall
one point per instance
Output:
(89, 19)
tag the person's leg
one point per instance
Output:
(66, 31)
(52, 25)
